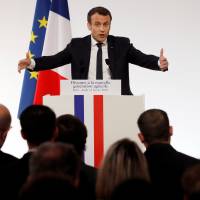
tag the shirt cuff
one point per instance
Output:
(158, 62)
(32, 65)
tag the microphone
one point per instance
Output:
(107, 61)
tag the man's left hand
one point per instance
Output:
(163, 61)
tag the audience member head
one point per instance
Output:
(133, 189)
(72, 131)
(56, 157)
(48, 186)
(154, 127)
(38, 124)
(5, 121)
(191, 182)
(123, 160)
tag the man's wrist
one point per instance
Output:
(32, 65)
(158, 62)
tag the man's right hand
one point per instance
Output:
(24, 63)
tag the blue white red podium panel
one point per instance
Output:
(107, 118)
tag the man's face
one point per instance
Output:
(99, 27)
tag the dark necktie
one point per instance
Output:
(99, 73)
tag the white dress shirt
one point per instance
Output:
(93, 60)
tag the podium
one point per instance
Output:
(108, 117)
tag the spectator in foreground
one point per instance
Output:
(124, 160)
(38, 125)
(166, 165)
(72, 131)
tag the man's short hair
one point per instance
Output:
(38, 123)
(71, 130)
(55, 157)
(154, 125)
(100, 10)
(48, 186)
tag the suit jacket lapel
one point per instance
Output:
(111, 49)
(86, 56)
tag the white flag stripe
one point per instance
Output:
(58, 35)
(89, 122)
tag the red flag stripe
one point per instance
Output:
(98, 130)
(48, 83)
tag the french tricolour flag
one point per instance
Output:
(51, 32)
(58, 35)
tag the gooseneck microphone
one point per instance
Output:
(107, 61)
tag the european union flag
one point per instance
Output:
(35, 50)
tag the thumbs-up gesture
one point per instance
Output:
(24, 63)
(163, 61)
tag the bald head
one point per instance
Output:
(5, 118)
(5, 121)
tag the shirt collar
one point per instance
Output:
(94, 42)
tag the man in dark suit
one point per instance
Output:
(38, 125)
(72, 131)
(166, 165)
(116, 54)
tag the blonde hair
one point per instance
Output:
(124, 160)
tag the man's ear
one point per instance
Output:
(141, 137)
(23, 135)
(170, 131)
(89, 26)
(3, 136)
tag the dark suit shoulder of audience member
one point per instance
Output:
(191, 183)
(89, 171)
(166, 155)
(166, 165)
(6, 158)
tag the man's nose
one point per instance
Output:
(102, 28)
